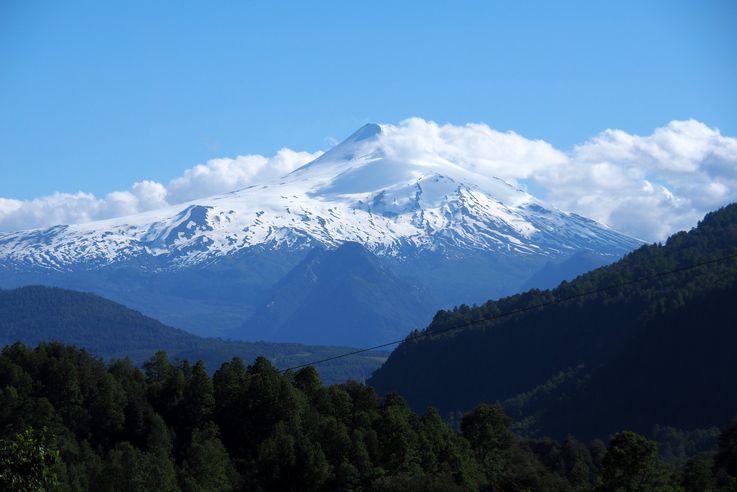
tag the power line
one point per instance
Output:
(470, 324)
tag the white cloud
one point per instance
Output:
(474, 146)
(646, 186)
(59, 208)
(213, 177)
(223, 175)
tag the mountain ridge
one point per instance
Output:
(335, 296)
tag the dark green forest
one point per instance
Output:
(631, 356)
(68, 421)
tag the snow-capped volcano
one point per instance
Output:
(358, 191)
(271, 260)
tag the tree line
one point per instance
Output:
(69, 421)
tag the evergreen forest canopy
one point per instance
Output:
(633, 355)
(70, 422)
(107, 329)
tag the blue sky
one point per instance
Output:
(97, 95)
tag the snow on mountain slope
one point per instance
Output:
(357, 191)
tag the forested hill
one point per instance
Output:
(659, 351)
(37, 314)
(110, 330)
